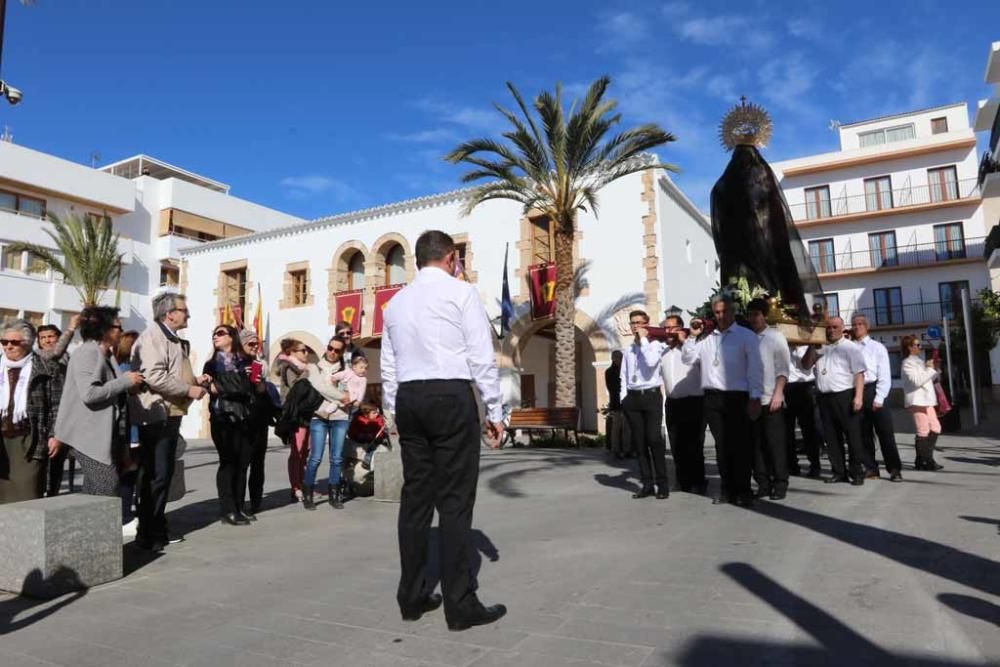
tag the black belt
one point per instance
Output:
(725, 391)
(871, 384)
(645, 391)
(434, 381)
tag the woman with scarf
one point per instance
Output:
(93, 417)
(29, 401)
(231, 417)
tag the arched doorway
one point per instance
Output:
(314, 344)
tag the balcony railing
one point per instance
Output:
(915, 314)
(821, 209)
(995, 133)
(987, 166)
(917, 254)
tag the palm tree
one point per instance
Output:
(555, 167)
(87, 254)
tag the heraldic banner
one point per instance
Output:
(542, 284)
(382, 296)
(348, 306)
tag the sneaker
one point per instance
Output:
(130, 529)
(175, 538)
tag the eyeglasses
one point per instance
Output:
(638, 324)
(9, 341)
(181, 310)
(220, 333)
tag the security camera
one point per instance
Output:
(12, 94)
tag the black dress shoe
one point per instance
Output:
(644, 492)
(814, 472)
(430, 603)
(248, 514)
(895, 477)
(662, 494)
(154, 546)
(234, 519)
(762, 492)
(858, 481)
(836, 479)
(483, 616)
(777, 495)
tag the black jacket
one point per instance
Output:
(301, 403)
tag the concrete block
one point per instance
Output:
(51, 546)
(388, 467)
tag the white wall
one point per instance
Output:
(957, 115)
(689, 269)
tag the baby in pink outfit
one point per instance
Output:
(354, 379)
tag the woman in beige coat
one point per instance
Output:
(921, 400)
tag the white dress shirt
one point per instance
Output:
(877, 367)
(730, 360)
(436, 329)
(680, 380)
(641, 365)
(774, 359)
(796, 373)
(837, 365)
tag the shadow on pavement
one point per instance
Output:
(18, 606)
(970, 606)
(479, 545)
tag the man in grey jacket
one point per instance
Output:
(163, 360)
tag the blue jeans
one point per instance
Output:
(322, 431)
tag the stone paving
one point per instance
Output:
(881, 574)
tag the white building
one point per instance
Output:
(988, 120)
(156, 208)
(894, 220)
(650, 247)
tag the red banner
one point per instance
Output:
(542, 288)
(348, 309)
(382, 296)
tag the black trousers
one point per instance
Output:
(726, 414)
(770, 467)
(841, 423)
(56, 465)
(258, 452)
(644, 412)
(878, 422)
(439, 439)
(800, 405)
(157, 454)
(234, 444)
(685, 419)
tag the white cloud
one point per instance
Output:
(675, 9)
(471, 118)
(622, 30)
(726, 30)
(805, 28)
(425, 136)
(311, 185)
(786, 80)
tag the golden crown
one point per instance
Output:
(746, 124)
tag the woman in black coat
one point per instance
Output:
(231, 419)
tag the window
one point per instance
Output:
(543, 246)
(234, 288)
(170, 276)
(888, 306)
(830, 302)
(822, 256)
(300, 287)
(817, 202)
(950, 294)
(356, 272)
(395, 265)
(23, 204)
(882, 249)
(878, 193)
(462, 252)
(7, 314)
(35, 319)
(36, 265)
(895, 364)
(943, 183)
(939, 125)
(949, 241)
(12, 259)
(886, 136)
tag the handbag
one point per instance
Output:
(943, 404)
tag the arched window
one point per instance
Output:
(356, 271)
(395, 265)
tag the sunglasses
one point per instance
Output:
(116, 326)
(7, 341)
(345, 333)
(300, 349)
(331, 348)
(219, 334)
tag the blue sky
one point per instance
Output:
(318, 107)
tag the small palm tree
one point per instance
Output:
(88, 254)
(555, 167)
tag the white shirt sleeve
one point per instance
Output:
(623, 374)
(689, 351)
(482, 361)
(755, 369)
(389, 383)
(856, 354)
(884, 382)
(782, 360)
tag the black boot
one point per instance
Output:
(307, 498)
(336, 497)
(932, 465)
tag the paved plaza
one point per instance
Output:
(882, 574)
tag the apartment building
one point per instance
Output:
(987, 120)
(650, 247)
(894, 220)
(157, 209)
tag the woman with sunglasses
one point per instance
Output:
(921, 401)
(291, 366)
(328, 425)
(345, 333)
(231, 420)
(93, 413)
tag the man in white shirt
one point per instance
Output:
(733, 381)
(684, 410)
(840, 383)
(874, 417)
(642, 404)
(770, 456)
(800, 405)
(436, 344)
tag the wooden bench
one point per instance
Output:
(546, 419)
